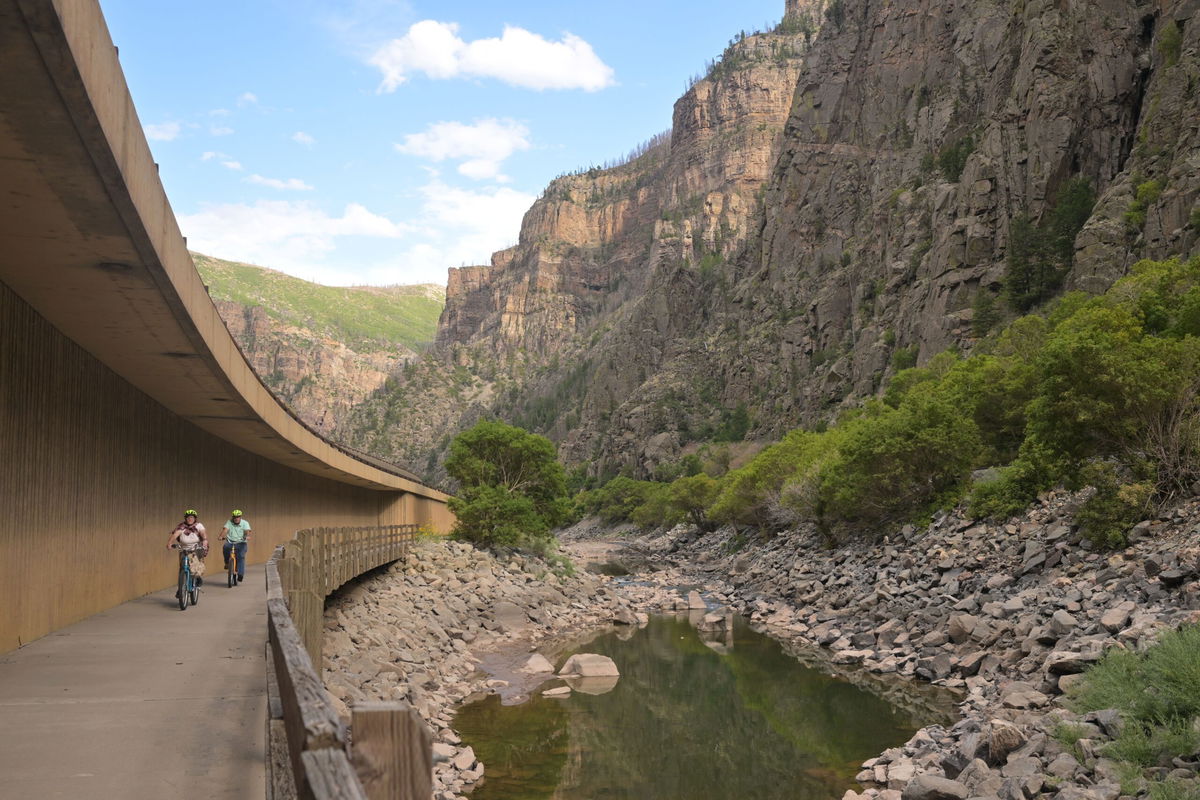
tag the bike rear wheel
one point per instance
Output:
(183, 591)
(195, 596)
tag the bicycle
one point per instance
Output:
(232, 560)
(188, 590)
(231, 567)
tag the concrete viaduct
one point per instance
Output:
(123, 398)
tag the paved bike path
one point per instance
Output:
(142, 701)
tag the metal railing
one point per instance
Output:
(391, 754)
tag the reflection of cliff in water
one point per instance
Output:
(744, 720)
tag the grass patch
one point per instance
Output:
(364, 318)
(1157, 693)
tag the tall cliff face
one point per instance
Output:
(321, 349)
(592, 239)
(320, 378)
(789, 273)
(518, 331)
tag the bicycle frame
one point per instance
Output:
(189, 584)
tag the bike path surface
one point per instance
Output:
(142, 701)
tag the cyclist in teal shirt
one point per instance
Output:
(236, 535)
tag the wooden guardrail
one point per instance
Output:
(391, 752)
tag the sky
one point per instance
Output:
(378, 142)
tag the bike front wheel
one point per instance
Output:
(182, 594)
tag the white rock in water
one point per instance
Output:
(536, 663)
(465, 759)
(695, 600)
(557, 691)
(589, 665)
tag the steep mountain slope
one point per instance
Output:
(743, 270)
(322, 349)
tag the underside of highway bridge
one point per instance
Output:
(123, 398)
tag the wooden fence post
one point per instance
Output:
(392, 751)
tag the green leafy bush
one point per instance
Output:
(513, 488)
(953, 158)
(691, 496)
(1146, 195)
(905, 357)
(1039, 256)
(1170, 42)
(615, 501)
(894, 463)
(1106, 517)
(747, 493)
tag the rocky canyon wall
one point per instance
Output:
(823, 214)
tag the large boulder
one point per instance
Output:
(589, 665)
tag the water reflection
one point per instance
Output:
(730, 717)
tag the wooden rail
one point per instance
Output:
(392, 754)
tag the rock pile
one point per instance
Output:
(1009, 615)
(418, 630)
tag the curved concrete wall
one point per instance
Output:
(96, 473)
(123, 398)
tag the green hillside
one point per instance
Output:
(365, 318)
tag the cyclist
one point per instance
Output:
(236, 535)
(191, 537)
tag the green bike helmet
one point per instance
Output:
(191, 512)
(237, 512)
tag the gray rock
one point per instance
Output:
(510, 616)
(1116, 618)
(1063, 662)
(1004, 738)
(1063, 766)
(536, 663)
(933, 787)
(960, 627)
(1062, 623)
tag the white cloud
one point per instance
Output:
(219, 112)
(484, 145)
(220, 130)
(163, 131)
(294, 237)
(300, 137)
(226, 160)
(453, 227)
(291, 184)
(518, 57)
(247, 99)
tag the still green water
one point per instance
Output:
(736, 721)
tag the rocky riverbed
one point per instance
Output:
(1008, 615)
(450, 622)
